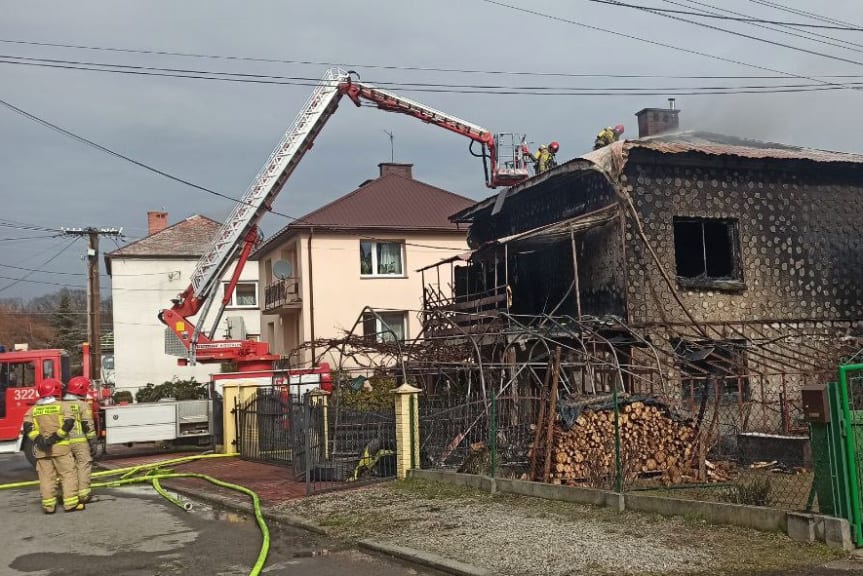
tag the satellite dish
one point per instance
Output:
(282, 269)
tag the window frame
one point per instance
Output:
(233, 303)
(374, 259)
(733, 282)
(380, 334)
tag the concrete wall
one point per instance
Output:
(140, 288)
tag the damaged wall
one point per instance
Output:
(799, 238)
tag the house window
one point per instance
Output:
(385, 326)
(713, 368)
(706, 252)
(381, 258)
(245, 295)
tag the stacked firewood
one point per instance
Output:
(651, 444)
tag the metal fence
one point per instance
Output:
(264, 431)
(722, 448)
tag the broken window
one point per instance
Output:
(706, 252)
(711, 369)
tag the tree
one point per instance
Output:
(65, 322)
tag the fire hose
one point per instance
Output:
(155, 472)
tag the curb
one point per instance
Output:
(424, 558)
(411, 555)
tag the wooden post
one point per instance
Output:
(552, 413)
(575, 275)
(539, 421)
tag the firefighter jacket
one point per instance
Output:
(84, 429)
(543, 159)
(47, 417)
(604, 138)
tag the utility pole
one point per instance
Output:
(94, 301)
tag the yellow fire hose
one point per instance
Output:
(154, 473)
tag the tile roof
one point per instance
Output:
(188, 238)
(391, 202)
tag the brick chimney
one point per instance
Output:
(397, 169)
(156, 222)
(653, 121)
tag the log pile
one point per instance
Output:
(651, 444)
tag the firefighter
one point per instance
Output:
(607, 136)
(371, 456)
(544, 159)
(82, 437)
(47, 424)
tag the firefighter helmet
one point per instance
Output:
(554, 147)
(79, 386)
(618, 129)
(49, 387)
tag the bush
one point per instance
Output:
(122, 396)
(379, 398)
(176, 389)
(753, 491)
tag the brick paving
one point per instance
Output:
(274, 484)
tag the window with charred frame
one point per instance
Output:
(707, 253)
(711, 368)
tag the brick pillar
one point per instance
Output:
(321, 398)
(407, 429)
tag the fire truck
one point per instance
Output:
(239, 234)
(20, 372)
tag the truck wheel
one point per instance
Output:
(29, 450)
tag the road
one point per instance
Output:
(134, 532)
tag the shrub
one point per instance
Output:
(752, 491)
(176, 389)
(122, 396)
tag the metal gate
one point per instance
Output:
(851, 401)
(264, 430)
(338, 448)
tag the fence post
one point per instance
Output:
(321, 398)
(407, 429)
(492, 433)
(618, 484)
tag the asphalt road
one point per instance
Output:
(135, 532)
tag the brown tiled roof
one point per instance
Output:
(188, 238)
(391, 202)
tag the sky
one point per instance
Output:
(218, 134)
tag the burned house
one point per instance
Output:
(688, 264)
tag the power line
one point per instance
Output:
(409, 68)
(655, 42)
(42, 271)
(537, 91)
(17, 281)
(28, 227)
(736, 19)
(812, 15)
(28, 238)
(744, 35)
(295, 80)
(789, 31)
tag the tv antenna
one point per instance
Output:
(392, 145)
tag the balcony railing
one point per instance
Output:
(284, 293)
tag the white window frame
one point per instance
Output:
(374, 254)
(381, 333)
(233, 302)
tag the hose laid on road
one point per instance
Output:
(154, 473)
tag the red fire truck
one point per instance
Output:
(20, 372)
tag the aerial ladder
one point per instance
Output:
(238, 235)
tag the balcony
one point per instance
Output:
(283, 294)
(464, 314)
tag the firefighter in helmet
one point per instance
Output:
(544, 159)
(47, 424)
(82, 437)
(607, 136)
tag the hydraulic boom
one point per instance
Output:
(239, 234)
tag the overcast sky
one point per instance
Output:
(218, 134)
